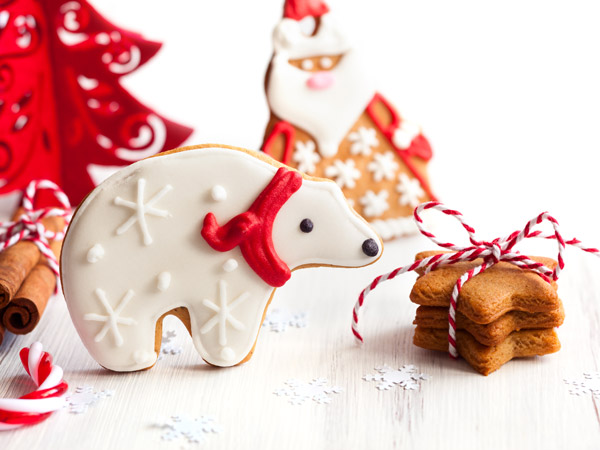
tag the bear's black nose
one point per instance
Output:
(370, 247)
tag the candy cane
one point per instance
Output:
(41, 403)
(500, 249)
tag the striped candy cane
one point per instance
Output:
(29, 227)
(39, 404)
(500, 249)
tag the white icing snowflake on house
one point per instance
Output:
(383, 166)
(410, 190)
(306, 156)
(316, 390)
(406, 377)
(405, 134)
(374, 204)
(345, 174)
(142, 209)
(84, 397)
(168, 346)
(279, 321)
(588, 385)
(194, 431)
(363, 140)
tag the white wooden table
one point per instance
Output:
(526, 404)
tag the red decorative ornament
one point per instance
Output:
(63, 114)
(252, 230)
(299, 9)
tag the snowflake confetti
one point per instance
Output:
(279, 321)
(406, 377)
(363, 141)
(194, 431)
(410, 190)
(306, 156)
(383, 166)
(374, 204)
(316, 390)
(345, 174)
(84, 397)
(168, 346)
(589, 384)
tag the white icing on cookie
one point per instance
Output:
(374, 205)
(307, 64)
(410, 190)
(396, 227)
(345, 174)
(95, 254)
(230, 265)
(127, 266)
(141, 209)
(383, 166)
(405, 134)
(113, 318)
(163, 281)
(306, 157)
(326, 62)
(218, 193)
(363, 141)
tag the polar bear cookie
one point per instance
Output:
(205, 233)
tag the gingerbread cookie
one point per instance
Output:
(205, 233)
(491, 294)
(492, 333)
(487, 359)
(327, 120)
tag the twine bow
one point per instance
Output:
(29, 226)
(492, 252)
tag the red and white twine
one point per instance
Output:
(500, 249)
(41, 403)
(29, 226)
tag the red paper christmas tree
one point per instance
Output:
(63, 114)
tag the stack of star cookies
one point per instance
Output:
(503, 313)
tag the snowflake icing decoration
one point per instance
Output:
(363, 140)
(306, 156)
(589, 384)
(279, 321)
(383, 166)
(84, 397)
(374, 204)
(410, 190)
(194, 431)
(345, 174)
(316, 390)
(406, 377)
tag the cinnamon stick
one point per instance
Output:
(17, 261)
(24, 311)
(1, 331)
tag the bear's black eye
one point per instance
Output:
(306, 226)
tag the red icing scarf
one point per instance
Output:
(253, 229)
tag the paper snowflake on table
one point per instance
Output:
(84, 397)
(193, 430)
(306, 156)
(316, 390)
(167, 346)
(406, 377)
(589, 384)
(278, 321)
(362, 141)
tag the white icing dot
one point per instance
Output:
(227, 354)
(164, 281)
(218, 193)
(95, 254)
(230, 265)
(144, 357)
(326, 62)
(307, 64)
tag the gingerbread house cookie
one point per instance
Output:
(328, 120)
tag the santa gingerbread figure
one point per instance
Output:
(327, 120)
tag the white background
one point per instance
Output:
(508, 93)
